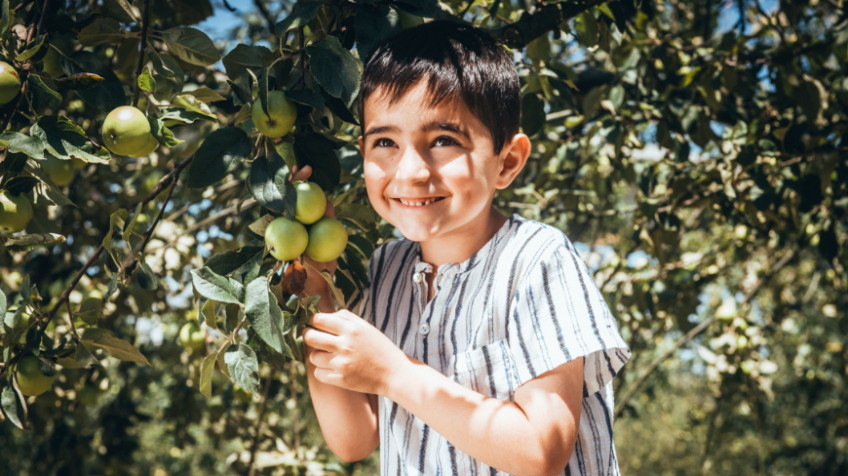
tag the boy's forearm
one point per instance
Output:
(497, 432)
(348, 419)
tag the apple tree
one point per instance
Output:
(151, 234)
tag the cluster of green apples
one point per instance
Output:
(323, 241)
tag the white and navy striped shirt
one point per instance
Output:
(521, 306)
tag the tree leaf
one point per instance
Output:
(102, 30)
(3, 304)
(214, 286)
(64, 139)
(16, 142)
(45, 96)
(269, 183)
(374, 24)
(221, 152)
(104, 95)
(146, 81)
(192, 46)
(244, 57)
(207, 369)
(230, 261)
(334, 68)
(32, 50)
(12, 407)
(301, 14)
(243, 366)
(265, 316)
(315, 150)
(118, 348)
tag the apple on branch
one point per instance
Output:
(127, 132)
(279, 119)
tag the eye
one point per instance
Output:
(445, 141)
(383, 142)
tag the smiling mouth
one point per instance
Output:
(418, 202)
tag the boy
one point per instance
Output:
(483, 345)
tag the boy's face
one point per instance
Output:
(431, 171)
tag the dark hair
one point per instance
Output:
(458, 61)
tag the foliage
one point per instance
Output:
(695, 150)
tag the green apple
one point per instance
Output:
(192, 336)
(279, 119)
(127, 132)
(286, 239)
(10, 83)
(60, 171)
(327, 240)
(151, 145)
(32, 378)
(311, 202)
(15, 212)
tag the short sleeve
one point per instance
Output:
(558, 314)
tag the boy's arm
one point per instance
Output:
(348, 419)
(534, 434)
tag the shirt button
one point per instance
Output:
(417, 277)
(424, 329)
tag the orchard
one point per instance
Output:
(154, 238)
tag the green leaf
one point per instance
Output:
(19, 185)
(146, 81)
(373, 25)
(214, 286)
(32, 50)
(207, 310)
(16, 142)
(3, 304)
(334, 68)
(301, 14)
(207, 368)
(162, 133)
(269, 184)
(265, 316)
(587, 29)
(5, 18)
(315, 150)
(243, 366)
(65, 139)
(102, 30)
(221, 152)
(104, 95)
(31, 241)
(12, 407)
(192, 46)
(118, 348)
(244, 57)
(532, 114)
(205, 94)
(45, 96)
(230, 261)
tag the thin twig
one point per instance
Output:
(145, 21)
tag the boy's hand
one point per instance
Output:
(350, 353)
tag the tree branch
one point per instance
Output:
(145, 23)
(546, 18)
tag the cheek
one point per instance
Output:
(375, 180)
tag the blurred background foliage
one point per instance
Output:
(696, 151)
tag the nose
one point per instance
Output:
(412, 166)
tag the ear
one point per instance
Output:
(512, 158)
(361, 146)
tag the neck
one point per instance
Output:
(461, 244)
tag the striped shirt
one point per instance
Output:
(521, 306)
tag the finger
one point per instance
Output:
(327, 376)
(301, 173)
(334, 323)
(321, 359)
(319, 340)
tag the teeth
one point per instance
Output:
(417, 203)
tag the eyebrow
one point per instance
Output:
(430, 126)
